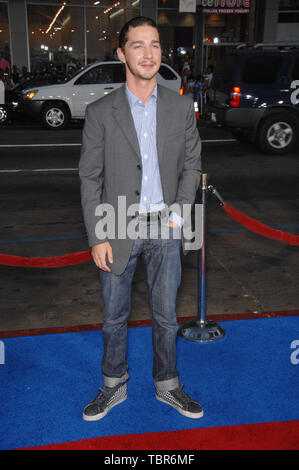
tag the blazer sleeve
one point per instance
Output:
(91, 172)
(190, 178)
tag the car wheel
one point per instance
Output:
(4, 115)
(278, 133)
(55, 116)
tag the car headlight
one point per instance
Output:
(29, 95)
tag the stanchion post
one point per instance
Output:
(201, 314)
(201, 329)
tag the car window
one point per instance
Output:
(119, 74)
(166, 73)
(97, 75)
(225, 72)
(261, 69)
(295, 71)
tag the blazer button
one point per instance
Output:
(137, 192)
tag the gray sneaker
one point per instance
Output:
(104, 401)
(181, 402)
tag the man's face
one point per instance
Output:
(142, 52)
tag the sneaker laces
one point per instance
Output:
(105, 394)
(183, 396)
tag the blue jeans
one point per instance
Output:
(163, 269)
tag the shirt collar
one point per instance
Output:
(133, 99)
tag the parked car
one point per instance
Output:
(56, 105)
(252, 95)
(10, 109)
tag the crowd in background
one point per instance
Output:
(195, 84)
(14, 76)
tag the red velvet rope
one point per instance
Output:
(259, 228)
(82, 256)
(50, 262)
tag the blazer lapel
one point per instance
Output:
(123, 116)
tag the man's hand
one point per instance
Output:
(99, 253)
(172, 224)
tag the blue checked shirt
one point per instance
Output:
(145, 120)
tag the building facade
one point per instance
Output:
(38, 34)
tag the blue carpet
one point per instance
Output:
(247, 377)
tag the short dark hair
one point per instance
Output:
(133, 23)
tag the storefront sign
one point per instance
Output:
(187, 6)
(224, 6)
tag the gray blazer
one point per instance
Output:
(111, 166)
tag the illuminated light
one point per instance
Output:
(118, 12)
(55, 17)
(113, 6)
(30, 95)
(216, 40)
(235, 97)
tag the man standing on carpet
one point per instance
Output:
(140, 142)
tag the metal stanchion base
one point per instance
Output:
(196, 330)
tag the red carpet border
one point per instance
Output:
(261, 436)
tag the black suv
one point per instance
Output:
(253, 94)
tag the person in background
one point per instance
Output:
(190, 85)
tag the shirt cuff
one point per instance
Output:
(176, 219)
